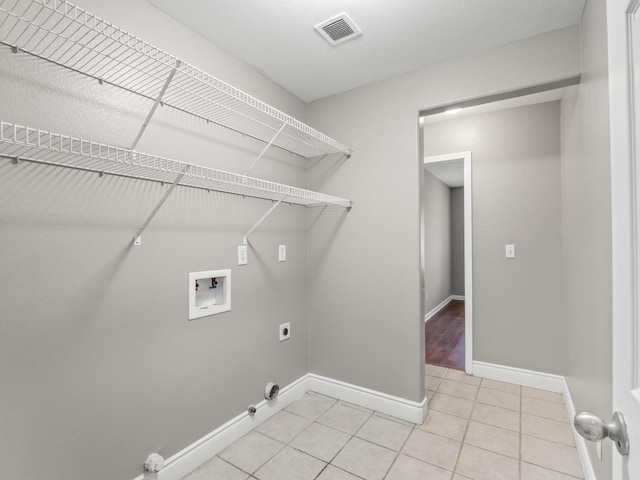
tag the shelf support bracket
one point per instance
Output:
(137, 239)
(273, 207)
(264, 150)
(155, 105)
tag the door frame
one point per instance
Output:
(468, 248)
(625, 215)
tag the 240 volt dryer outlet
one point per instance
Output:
(285, 331)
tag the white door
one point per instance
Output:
(623, 31)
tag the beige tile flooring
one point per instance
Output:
(476, 429)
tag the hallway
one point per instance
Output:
(444, 337)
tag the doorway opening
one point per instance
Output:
(447, 239)
(516, 144)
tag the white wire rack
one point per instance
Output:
(62, 33)
(22, 143)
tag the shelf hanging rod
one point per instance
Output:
(266, 147)
(137, 240)
(15, 160)
(273, 207)
(155, 104)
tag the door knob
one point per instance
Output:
(594, 429)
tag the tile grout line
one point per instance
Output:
(520, 439)
(462, 442)
(395, 459)
(353, 435)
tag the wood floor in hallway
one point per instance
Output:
(444, 336)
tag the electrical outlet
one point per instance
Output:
(282, 253)
(510, 251)
(284, 331)
(242, 254)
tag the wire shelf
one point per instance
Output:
(69, 36)
(20, 142)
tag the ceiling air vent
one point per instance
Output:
(338, 29)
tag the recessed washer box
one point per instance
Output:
(209, 293)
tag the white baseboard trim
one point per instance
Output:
(543, 381)
(519, 376)
(204, 449)
(408, 410)
(437, 308)
(441, 305)
(581, 442)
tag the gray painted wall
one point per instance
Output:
(586, 233)
(437, 223)
(516, 199)
(106, 351)
(361, 331)
(457, 241)
(99, 365)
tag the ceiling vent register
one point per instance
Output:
(338, 29)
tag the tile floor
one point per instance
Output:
(476, 429)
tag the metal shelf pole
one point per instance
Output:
(137, 240)
(273, 207)
(155, 105)
(265, 149)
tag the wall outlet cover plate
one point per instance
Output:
(284, 331)
(242, 255)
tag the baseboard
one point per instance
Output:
(185, 461)
(414, 412)
(441, 305)
(437, 308)
(520, 376)
(581, 442)
(543, 381)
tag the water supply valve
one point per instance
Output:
(154, 463)
(271, 391)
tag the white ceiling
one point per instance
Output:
(278, 38)
(451, 173)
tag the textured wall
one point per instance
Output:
(437, 241)
(516, 199)
(99, 364)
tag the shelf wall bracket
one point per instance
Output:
(264, 150)
(155, 104)
(137, 239)
(273, 207)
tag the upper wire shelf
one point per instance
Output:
(60, 32)
(30, 144)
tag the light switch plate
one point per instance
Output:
(242, 254)
(282, 253)
(510, 251)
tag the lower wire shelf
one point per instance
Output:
(22, 143)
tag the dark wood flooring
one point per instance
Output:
(444, 337)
